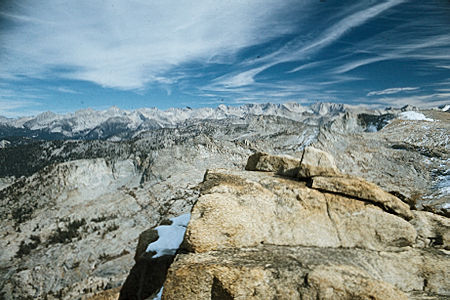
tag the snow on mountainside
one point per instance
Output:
(103, 124)
(92, 124)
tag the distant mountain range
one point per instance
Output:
(115, 124)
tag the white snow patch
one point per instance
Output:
(446, 107)
(6, 181)
(4, 143)
(413, 115)
(158, 296)
(170, 236)
(372, 128)
(446, 205)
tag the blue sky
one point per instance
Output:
(66, 55)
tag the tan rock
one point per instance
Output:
(280, 272)
(283, 165)
(361, 189)
(112, 294)
(316, 162)
(367, 226)
(432, 230)
(347, 282)
(255, 235)
(246, 209)
(218, 282)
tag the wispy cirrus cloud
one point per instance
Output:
(423, 101)
(259, 50)
(391, 91)
(66, 90)
(126, 45)
(433, 48)
(241, 79)
(20, 102)
(14, 108)
(346, 24)
(299, 49)
(356, 63)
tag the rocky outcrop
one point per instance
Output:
(409, 157)
(145, 238)
(111, 294)
(316, 162)
(148, 274)
(282, 165)
(313, 162)
(359, 188)
(432, 229)
(283, 272)
(259, 235)
(95, 197)
(256, 208)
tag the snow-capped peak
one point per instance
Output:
(89, 122)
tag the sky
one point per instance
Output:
(65, 55)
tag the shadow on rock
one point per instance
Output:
(146, 277)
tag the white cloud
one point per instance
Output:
(306, 66)
(431, 46)
(354, 20)
(241, 79)
(66, 90)
(391, 91)
(19, 102)
(300, 49)
(422, 101)
(15, 108)
(7, 105)
(126, 44)
(359, 63)
(132, 44)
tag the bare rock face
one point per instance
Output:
(321, 168)
(313, 162)
(347, 282)
(316, 162)
(258, 235)
(361, 189)
(258, 208)
(432, 230)
(283, 272)
(111, 294)
(406, 156)
(282, 165)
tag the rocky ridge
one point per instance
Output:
(260, 234)
(116, 124)
(72, 210)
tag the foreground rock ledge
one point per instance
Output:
(277, 272)
(259, 235)
(245, 209)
